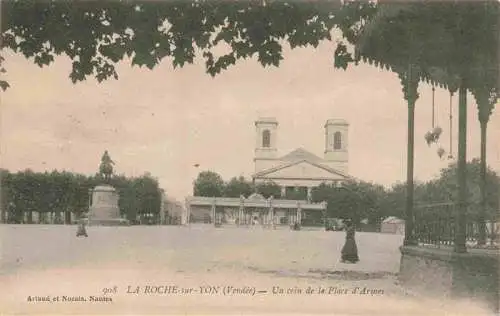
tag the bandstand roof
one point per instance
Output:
(443, 40)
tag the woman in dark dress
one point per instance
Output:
(350, 250)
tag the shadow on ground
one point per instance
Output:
(344, 275)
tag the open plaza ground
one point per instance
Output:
(201, 269)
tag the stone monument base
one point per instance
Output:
(105, 210)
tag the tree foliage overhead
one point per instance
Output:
(97, 35)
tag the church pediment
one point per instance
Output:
(300, 154)
(302, 170)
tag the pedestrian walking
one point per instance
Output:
(350, 250)
(81, 231)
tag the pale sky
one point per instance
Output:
(164, 121)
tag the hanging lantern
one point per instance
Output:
(429, 138)
(437, 131)
(440, 152)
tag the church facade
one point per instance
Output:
(297, 173)
(300, 170)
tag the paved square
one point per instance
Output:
(201, 269)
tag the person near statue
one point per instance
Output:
(81, 231)
(350, 250)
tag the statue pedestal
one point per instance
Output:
(104, 210)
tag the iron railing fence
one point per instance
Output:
(435, 224)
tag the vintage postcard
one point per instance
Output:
(266, 157)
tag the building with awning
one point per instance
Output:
(254, 210)
(393, 225)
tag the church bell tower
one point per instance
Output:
(265, 146)
(336, 144)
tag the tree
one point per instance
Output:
(67, 193)
(354, 200)
(447, 185)
(444, 189)
(149, 196)
(209, 184)
(5, 177)
(128, 201)
(237, 187)
(97, 35)
(268, 189)
(394, 202)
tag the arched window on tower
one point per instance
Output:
(337, 141)
(266, 138)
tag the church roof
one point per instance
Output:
(292, 163)
(300, 154)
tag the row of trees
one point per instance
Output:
(211, 184)
(359, 200)
(64, 193)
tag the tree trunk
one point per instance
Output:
(57, 218)
(461, 210)
(67, 217)
(482, 211)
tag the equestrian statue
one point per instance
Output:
(106, 167)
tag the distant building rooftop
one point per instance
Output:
(270, 120)
(336, 122)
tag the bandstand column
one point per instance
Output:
(410, 95)
(461, 210)
(309, 193)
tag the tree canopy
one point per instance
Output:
(445, 41)
(62, 193)
(97, 35)
(237, 187)
(208, 183)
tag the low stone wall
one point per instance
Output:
(108, 222)
(440, 272)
